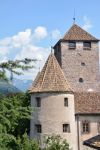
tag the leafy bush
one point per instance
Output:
(55, 142)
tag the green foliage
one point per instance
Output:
(15, 115)
(14, 66)
(9, 142)
(55, 142)
(27, 144)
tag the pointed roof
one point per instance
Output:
(78, 34)
(51, 78)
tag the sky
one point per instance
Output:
(28, 28)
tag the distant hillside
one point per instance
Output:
(23, 85)
(6, 88)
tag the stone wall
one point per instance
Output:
(71, 63)
(93, 121)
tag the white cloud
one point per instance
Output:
(55, 34)
(32, 51)
(25, 45)
(40, 33)
(22, 38)
(4, 50)
(5, 41)
(87, 23)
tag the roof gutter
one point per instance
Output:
(82, 114)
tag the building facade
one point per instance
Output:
(78, 55)
(65, 94)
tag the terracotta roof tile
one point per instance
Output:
(78, 34)
(87, 102)
(51, 78)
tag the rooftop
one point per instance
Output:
(78, 34)
(51, 78)
(87, 102)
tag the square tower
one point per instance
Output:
(78, 55)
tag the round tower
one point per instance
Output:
(53, 102)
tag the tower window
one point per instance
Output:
(85, 127)
(82, 63)
(72, 45)
(86, 45)
(66, 128)
(38, 128)
(66, 102)
(81, 80)
(38, 102)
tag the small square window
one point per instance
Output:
(38, 102)
(86, 45)
(82, 63)
(66, 101)
(81, 80)
(85, 127)
(38, 128)
(66, 128)
(72, 45)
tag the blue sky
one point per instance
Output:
(29, 27)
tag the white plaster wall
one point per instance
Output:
(52, 115)
(93, 119)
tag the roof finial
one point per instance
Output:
(74, 18)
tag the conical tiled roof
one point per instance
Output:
(51, 78)
(78, 34)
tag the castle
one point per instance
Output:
(65, 93)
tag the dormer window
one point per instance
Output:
(86, 45)
(72, 45)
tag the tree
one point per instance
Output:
(55, 142)
(15, 67)
(15, 113)
(9, 142)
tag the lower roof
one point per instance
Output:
(93, 142)
(87, 102)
